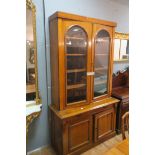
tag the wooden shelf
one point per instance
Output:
(100, 82)
(75, 54)
(76, 46)
(106, 39)
(99, 54)
(101, 68)
(85, 108)
(121, 60)
(75, 86)
(75, 38)
(30, 88)
(76, 70)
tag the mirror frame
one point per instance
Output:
(121, 36)
(31, 6)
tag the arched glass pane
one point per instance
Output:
(102, 47)
(76, 63)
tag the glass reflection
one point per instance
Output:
(102, 43)
(76, 60)
(30, 64)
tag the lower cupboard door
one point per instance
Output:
(104, 124)
(79, 134)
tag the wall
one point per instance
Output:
(38, 132)
(103, 9)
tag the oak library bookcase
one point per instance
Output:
(82, 112)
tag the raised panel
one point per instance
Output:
(80, 134)
(104, 124)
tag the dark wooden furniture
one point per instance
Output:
(75, 130)
(125, 124)
(30, 92)
(82, 113)
(120, 90)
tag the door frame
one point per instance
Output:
(110, 30)
(87, 27)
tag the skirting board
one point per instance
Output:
(38, 149)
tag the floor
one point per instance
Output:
(98, 150)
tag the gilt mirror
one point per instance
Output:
(121, 47)
(32, 92)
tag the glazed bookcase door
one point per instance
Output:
(101, 60)
(77, 37)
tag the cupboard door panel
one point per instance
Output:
(77, 37)
(104, 124)
(80, 133)
(101, 60)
